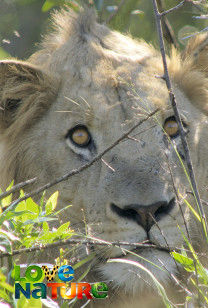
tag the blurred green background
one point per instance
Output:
(23, 21)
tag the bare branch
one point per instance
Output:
(94, 241)
(17, 188)
(173, 8)
(87, 242)
(176, 112)
(177, 197)
(203, 201)
(78, 170)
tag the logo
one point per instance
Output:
(30, 285)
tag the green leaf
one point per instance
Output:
(49, 4)
(191, 208)
(58, 212)
(10, 215)
(28, 303)
(4, 295)
(38, 220)
(6, 245)
(6, 201)
(41, 203)
(63, 228)
(45, 227)
(200, 290)
(186, 262)
(84, 261)
(32, 206)
(188, 298)
(6, 286)
(51, 203)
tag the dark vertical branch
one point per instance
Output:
(167, 28)
(158, 17)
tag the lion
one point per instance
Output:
(81, 91)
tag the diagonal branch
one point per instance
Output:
(158, 16)
(17, 188)
(173, 8)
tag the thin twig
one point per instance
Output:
(86, 242)
(203, 201)
(78, 170)
(163, 235)
(179, 283)
(176, 112)
(17, 188)
(173, 8)
(94, 242)
(177, 197)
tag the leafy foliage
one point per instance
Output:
(24, 226)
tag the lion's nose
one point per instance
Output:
(146, 216)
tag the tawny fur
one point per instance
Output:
(85, 73)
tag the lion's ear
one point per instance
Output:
(190, 71)
(197, 51)
(24, 88)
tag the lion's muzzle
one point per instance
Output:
(145, 215)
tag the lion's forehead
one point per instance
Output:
(113, 94)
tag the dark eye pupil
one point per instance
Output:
(79, 135)
(171, 127)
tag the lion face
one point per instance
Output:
(133, 182)
(72, 105)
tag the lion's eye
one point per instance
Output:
(79, 135)
(171, 127)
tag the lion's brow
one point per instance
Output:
(82, 108)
